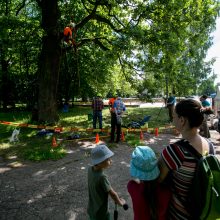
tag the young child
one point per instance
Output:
(99, 186)
(150, 200)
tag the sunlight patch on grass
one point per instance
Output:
(74, 119)
(134, 140)
(32, 133)
(15, 164)
(12, 157)
(4, 146)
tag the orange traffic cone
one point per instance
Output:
(156, 132)
(97, 138)
(122, 136)
(54, 142)
(141, 136)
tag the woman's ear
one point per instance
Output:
(183, 120)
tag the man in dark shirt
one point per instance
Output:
(97, 106)
(171, 101)
(206, 106)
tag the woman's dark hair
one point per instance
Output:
(150, 190)
(204, 96)
(190, 109)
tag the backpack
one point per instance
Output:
(204, 196)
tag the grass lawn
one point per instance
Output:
(34, 147)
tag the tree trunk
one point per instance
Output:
(4, 84)
(49, 64)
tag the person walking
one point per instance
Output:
(149, 198)
(171, 101)
(116, 119)
(176, 159)
(97, 106)
(99, 186)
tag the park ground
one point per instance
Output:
(57, 190)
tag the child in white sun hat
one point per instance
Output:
(149, 198)
(99, 186)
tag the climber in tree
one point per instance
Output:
(70, 34)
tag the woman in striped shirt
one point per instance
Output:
(178, 161)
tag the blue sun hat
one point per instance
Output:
(143, 165)
(100, 153)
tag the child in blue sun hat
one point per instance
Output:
(144, 164)
(99, 186)
(150, 199)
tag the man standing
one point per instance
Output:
(97, 106)
(171, 101)
(111, 110)
(116, 119)
(111, 102)
(206, 107)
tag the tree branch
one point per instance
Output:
(21, 6)
(87, 18)
(118, 20)
(105, 20)
(97, 17)
(95, 40)
(122, 68)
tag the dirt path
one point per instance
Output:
(58, 189)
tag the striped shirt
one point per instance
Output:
(183, 165)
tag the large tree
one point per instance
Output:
(49, 62)
(141, 44)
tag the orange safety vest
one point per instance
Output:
(67, 33)
(111, 103)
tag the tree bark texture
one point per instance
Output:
(49, 63)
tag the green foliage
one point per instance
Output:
(155, 45)
(207, 86)
(37, 148)
(134, 140)
(20, 45)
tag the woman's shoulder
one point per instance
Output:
(173, 155)
(175, 148)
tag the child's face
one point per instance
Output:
(106, 163)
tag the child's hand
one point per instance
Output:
(125, 206)
(116, 198)
(122, 202)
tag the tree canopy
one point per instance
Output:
(141, 48)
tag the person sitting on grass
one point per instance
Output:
(99, 186)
